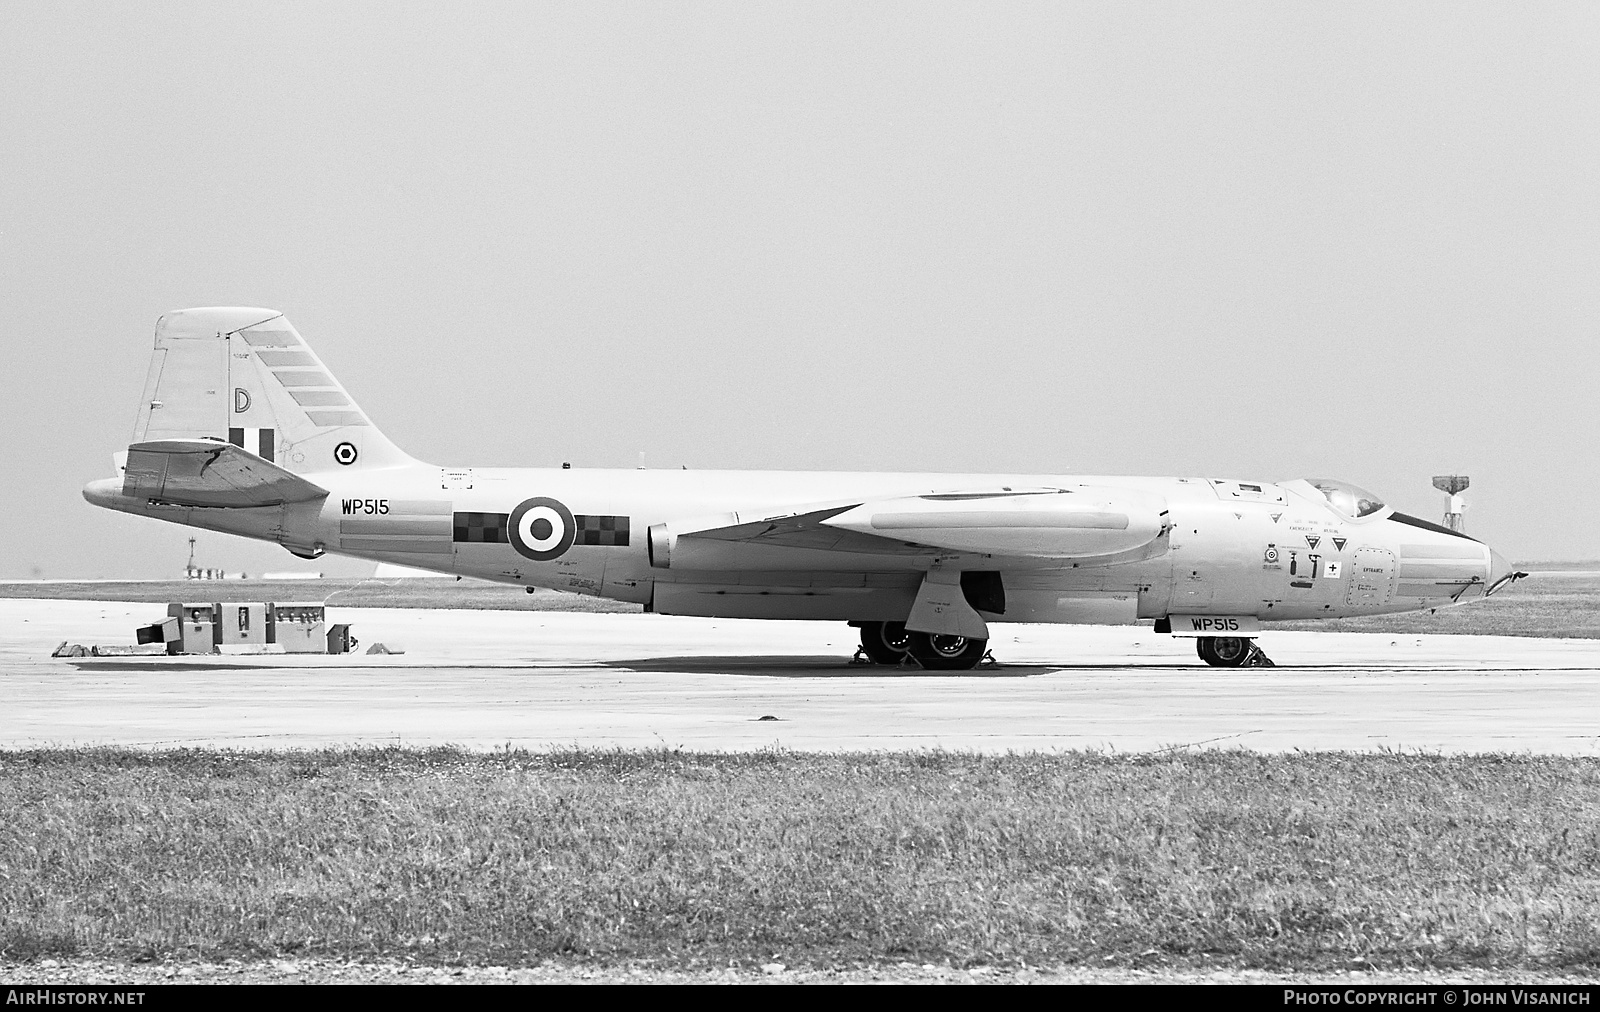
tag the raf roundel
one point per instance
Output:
(541, 529)
(345, 453)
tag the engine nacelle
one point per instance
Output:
(1074, 523)
(1037, 527)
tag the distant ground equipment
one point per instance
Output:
(1453, 485)
(212, 627)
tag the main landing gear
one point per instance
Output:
(1231, 652)
(892, 643)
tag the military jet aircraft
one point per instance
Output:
(242, 429)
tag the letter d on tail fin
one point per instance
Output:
(246, 377)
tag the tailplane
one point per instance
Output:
(246, 377)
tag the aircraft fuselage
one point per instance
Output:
(1255, 549)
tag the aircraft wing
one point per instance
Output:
(1083, 522)
(202, 472)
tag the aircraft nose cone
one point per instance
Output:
(1501, 572)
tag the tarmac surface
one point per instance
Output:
(543, 680)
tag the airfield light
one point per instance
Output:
(1453, 485)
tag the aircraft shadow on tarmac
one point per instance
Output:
(827, 666)
(774, 666)
(154, 665)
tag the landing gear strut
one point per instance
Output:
(1231, 652)
(891, 643)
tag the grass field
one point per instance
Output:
(678, 859)
(1566, 605)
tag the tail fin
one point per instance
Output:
(245, 376)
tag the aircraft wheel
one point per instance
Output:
(1223, 651)
(946, 653)
(885, 642)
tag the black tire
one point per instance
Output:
(946, 653)
(885, 642)
(1223, 651)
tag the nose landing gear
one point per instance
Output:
(1231, 652)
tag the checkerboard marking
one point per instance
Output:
(488, 528)
(597, 530)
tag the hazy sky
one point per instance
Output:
(1252, 240)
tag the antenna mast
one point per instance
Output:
(1453, 485)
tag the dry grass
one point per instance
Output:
(1563, 606)
(694, 859)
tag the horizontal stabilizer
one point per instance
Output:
(203, 472)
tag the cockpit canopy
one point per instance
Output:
(1346, 499)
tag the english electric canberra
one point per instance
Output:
(243, 430)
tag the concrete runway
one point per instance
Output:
(542, 679)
